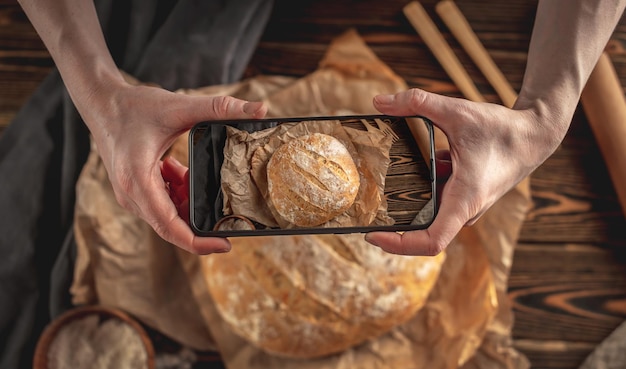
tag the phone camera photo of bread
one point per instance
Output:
(311, 175)
(311, 180)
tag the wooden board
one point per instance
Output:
(24, 62)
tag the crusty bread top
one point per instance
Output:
(311, 179)
(315, 295)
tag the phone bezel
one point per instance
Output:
(312, 230)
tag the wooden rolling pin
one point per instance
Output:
(462, 31)
(435, 41)
(605, 107)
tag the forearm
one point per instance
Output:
(71, 32)
(568, 38)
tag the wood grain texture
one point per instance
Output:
(574, 200)
(568, 282)
(24, 62)
(567, 298)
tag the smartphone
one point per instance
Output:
(231, 193)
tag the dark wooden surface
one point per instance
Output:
(568, 281)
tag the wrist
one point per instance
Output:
(91, 85)
(72, 34)
(548, 123)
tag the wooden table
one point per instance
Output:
(568, 281)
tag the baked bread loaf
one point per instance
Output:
(311, 179)
(311, 296)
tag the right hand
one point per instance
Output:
(492, 148)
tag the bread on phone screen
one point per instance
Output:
(315, 295)
(311, 179)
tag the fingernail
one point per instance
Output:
(252, 107)
(224, 249)
(368, 238)
(385, 99)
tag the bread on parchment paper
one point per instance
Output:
(311, 179)
(311, 296)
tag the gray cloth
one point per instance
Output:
(610, 353)
(177, 44)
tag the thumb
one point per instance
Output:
(437, 108)
(203, 108)
(426, 242)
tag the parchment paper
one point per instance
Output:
(465, 323)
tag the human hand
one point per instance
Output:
(492, 148)
(133, 127)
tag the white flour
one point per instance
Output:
(90, 343)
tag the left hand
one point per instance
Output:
(133, 126)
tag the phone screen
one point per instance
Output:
(338, 174)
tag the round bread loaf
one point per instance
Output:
(311, 179)
(311, 296)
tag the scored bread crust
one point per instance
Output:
(311, 179)
(311, 296)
